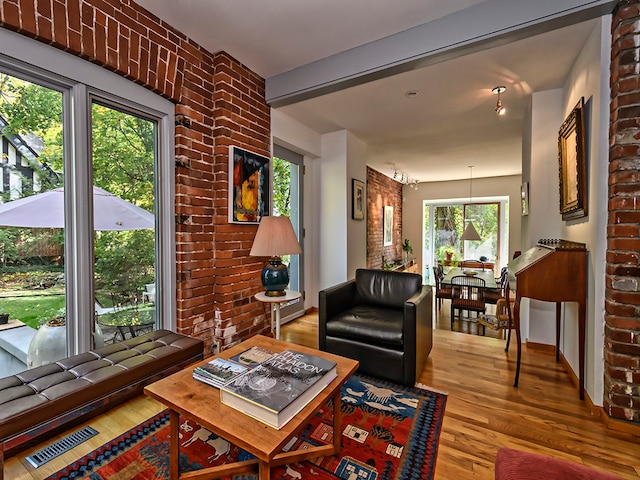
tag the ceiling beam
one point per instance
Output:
(484, 25)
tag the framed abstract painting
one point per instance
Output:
(249, 185)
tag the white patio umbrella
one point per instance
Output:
(46, 210)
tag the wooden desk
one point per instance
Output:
(200, 402)
(553, 271)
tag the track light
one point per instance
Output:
(500, 110)
(404, 178)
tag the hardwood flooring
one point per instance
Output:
(484, 411)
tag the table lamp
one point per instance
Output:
(275, 237)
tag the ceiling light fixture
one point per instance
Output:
(403, 177)
(500, 110)
(470, 232)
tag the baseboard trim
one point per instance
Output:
(620, 428)
(541, 347)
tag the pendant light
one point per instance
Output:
(470, 232)
(500, 110)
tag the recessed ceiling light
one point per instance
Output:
(411, 93)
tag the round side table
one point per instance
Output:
(275, 303)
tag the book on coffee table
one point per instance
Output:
(278, 388)
(218, 371)
(253, 356)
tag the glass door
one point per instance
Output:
(123, 151)
(287, 201)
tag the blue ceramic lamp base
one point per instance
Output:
(275, 277)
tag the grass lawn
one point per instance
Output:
(34, 310)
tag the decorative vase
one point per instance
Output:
(50, 343)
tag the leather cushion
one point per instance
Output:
(384, 288)
(374, 325)
(39, 395)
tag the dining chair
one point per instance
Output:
(501, 321)
(442, 291)
(492, 295)
(468, 294)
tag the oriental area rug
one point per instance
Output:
(389, 432)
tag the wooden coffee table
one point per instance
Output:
(201, 403)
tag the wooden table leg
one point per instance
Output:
(337, 422)
(174, 446)
(264, 471)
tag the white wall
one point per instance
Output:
(544, 220)
(356, 229)
(299, 138)
(334, 244)
(412, 215)
(589, 78)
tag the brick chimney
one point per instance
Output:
(622, 303)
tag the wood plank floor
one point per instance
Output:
(484, 411)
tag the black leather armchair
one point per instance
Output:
(382, 319)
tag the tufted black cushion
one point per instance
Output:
(43, 395)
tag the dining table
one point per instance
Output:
(132, 320)
(486, 275)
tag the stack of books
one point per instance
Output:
(278, 388)
(218, 372)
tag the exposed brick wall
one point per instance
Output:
(219, 102)
(622, 304)
(382, 191)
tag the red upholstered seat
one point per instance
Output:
(517, 465)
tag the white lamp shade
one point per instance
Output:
(470, 233)
(275, 237)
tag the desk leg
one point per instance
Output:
(558, 316)
(582, 320)
(276, 306)
(516, 316)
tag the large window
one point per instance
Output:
(105, 146)
(444, 223)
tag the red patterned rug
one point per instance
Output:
(389, 432)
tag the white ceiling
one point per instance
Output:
(434, 136)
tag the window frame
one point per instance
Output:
(80, 83)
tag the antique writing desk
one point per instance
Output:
(553, 271)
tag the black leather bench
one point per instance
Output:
(48, 398)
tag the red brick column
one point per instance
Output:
(382, 191)
(218, 102)
(622, 304)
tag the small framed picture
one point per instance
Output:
(387, 233)
(357, 199)
(249, 186)
(524, 199)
